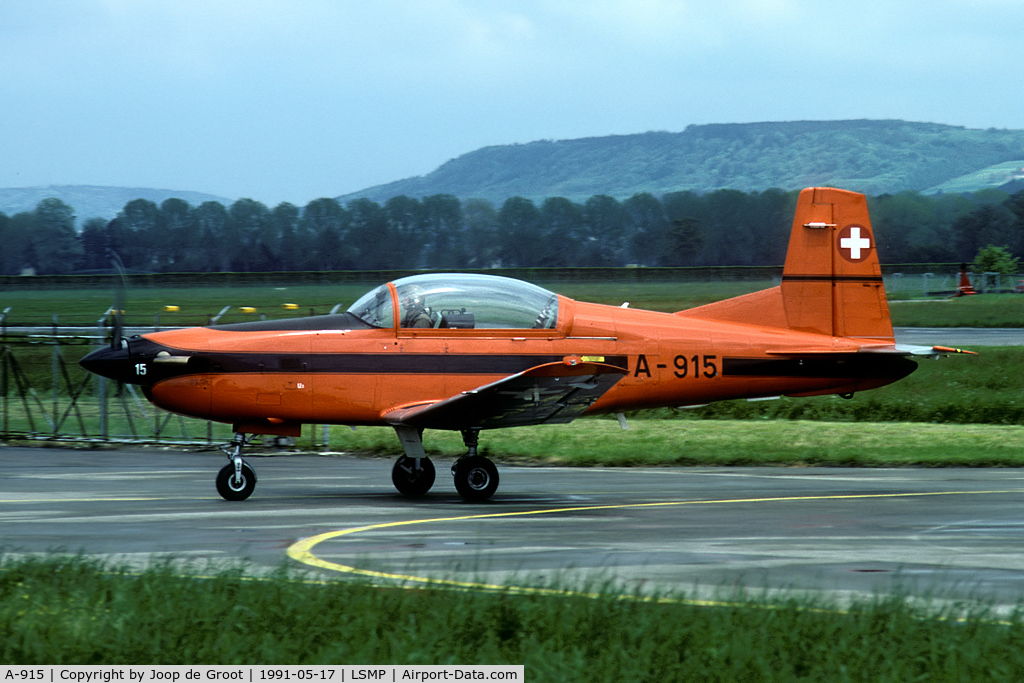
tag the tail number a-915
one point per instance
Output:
(695, 366)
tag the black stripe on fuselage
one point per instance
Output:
(383, 363)
(380, 363)
(865, 366)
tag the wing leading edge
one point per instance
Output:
(553, 393)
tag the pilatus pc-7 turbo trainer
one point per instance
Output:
(473, 352)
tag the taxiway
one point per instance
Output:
(952, 533)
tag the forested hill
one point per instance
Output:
(874, 157)
(91, 201)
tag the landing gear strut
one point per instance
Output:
(236, 481)
(476, 477)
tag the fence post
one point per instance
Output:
(4, 383)
(101, 389)
(54, 371)
(4, 364)
(985, 279)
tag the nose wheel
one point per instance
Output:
(236, 480)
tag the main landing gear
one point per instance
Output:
(236, 481)
(476, 477)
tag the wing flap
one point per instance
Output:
(553, 393)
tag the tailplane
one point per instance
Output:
(832, 281)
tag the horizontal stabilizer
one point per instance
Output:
(891, 349)
(915, 350)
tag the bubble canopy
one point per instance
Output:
(459, 301)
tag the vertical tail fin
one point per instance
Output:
(832, 282)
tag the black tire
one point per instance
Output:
(476, 478)
(409, 481)
(229, 489)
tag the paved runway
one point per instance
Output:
(967, 337)
(946, 532)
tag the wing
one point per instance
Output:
(553, 393)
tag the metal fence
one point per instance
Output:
(46, 395)
(927, 285)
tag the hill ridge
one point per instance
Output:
(93, 201)
(866, 155)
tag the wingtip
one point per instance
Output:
(949, 349)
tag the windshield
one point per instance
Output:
(461, 301)
(374, 308)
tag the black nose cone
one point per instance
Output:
(112, 362)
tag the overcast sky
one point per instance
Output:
(291, 100)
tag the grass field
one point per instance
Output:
(76, 611)
(988, 310)
(145, 306)
(600, 442)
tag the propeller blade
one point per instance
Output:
(118, 308)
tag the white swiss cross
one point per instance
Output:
(855, 243)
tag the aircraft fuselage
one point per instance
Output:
(355, 375)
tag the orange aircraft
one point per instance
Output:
(472, 352)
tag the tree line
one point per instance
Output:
(724, 227)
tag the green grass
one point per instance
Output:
(961, 389)
(987, 310)
(145, 306)
(76, 611)
(600, 442)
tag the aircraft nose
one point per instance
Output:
(111, 362)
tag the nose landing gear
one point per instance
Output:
(236, 480)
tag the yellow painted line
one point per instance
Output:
(302, 551)
(89, 500)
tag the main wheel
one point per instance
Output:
(410, 481)
(229, 488)
(476, 478)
